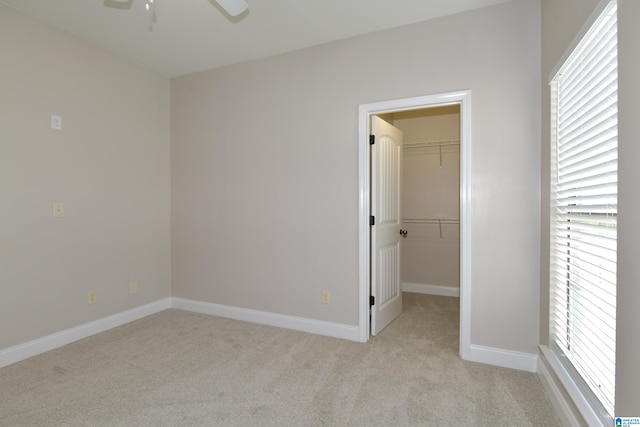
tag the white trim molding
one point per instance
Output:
(503, 358)
(29, 349)
(318, 327)
(492, 356)
(365, 111)
(563, 407)
(419, 288)
(574, 392)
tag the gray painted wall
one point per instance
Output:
(430, 190)
(265, 168)
(109, 166)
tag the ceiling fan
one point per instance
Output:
(232, 7)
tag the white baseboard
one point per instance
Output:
(29, 349)
(32, 348)
(447, 291)
(503, 358)
(491, 356)
(580, 401)
(567, 417)
(318, 327)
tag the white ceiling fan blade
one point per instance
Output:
(233, 7)
(118, 4)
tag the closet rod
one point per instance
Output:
(433, 144)
(431, 220)
(439, 221)
(415, 144)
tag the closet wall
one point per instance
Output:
(431, 199)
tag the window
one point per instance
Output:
(584, 146)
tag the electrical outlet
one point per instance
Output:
(56, 122)
(133, 287)
(326, 297)
(58, 210)
(92, 297)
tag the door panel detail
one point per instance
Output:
(386, 185)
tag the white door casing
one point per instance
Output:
(386, 209)
(365, 112)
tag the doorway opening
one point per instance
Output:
(461, 100)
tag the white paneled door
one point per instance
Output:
(386, 232)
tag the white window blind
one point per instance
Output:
(584, 211)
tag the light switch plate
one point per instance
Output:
(326, 297)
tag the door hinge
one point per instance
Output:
(372, 221)
(372, 300)
(372, 139)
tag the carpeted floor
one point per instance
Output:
(177, 368)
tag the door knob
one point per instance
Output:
(403, 233)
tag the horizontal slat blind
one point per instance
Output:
(584, 209)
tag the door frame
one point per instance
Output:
(463, 99)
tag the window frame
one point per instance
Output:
(579, 385)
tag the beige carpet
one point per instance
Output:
(178, 368)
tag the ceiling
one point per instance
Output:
(195, 35)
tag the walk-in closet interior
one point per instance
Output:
(430, 199)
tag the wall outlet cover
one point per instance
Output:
(58, 210)
(56, 122)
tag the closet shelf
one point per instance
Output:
(442, 143)
(415, 147)
(431, 220)
(437, 221)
